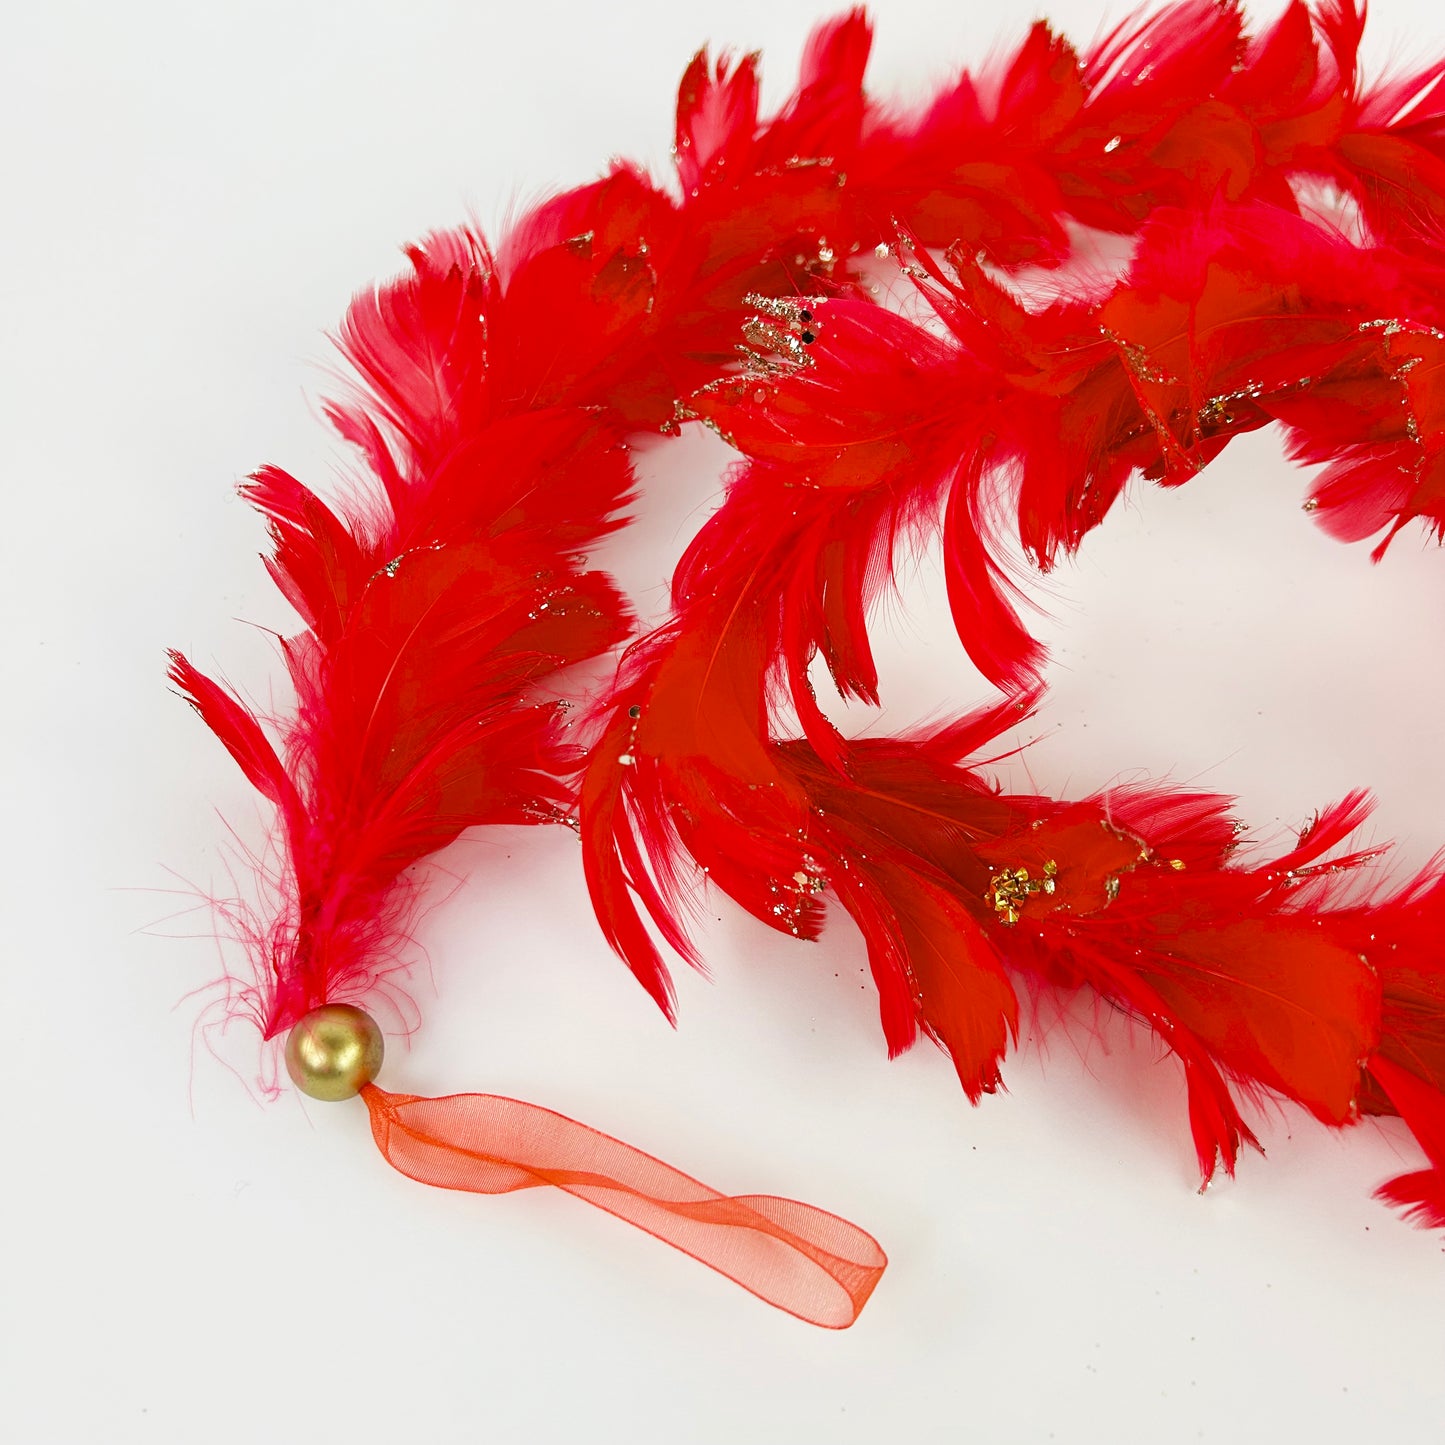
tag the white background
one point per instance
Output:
(190, 194)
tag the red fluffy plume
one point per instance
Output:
(428, 626)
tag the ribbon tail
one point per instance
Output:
(803, 1260)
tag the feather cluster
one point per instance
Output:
(1284, 221)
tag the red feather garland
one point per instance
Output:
(498, 390)
(1237, 310)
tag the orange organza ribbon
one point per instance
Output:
(803, 1260)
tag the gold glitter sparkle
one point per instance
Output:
(1010, 890)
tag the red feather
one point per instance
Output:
(429, 626)
(1421, 1193)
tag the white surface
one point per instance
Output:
(192, 192)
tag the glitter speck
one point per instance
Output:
(1009, 890)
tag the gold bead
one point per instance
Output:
(334, 1051)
